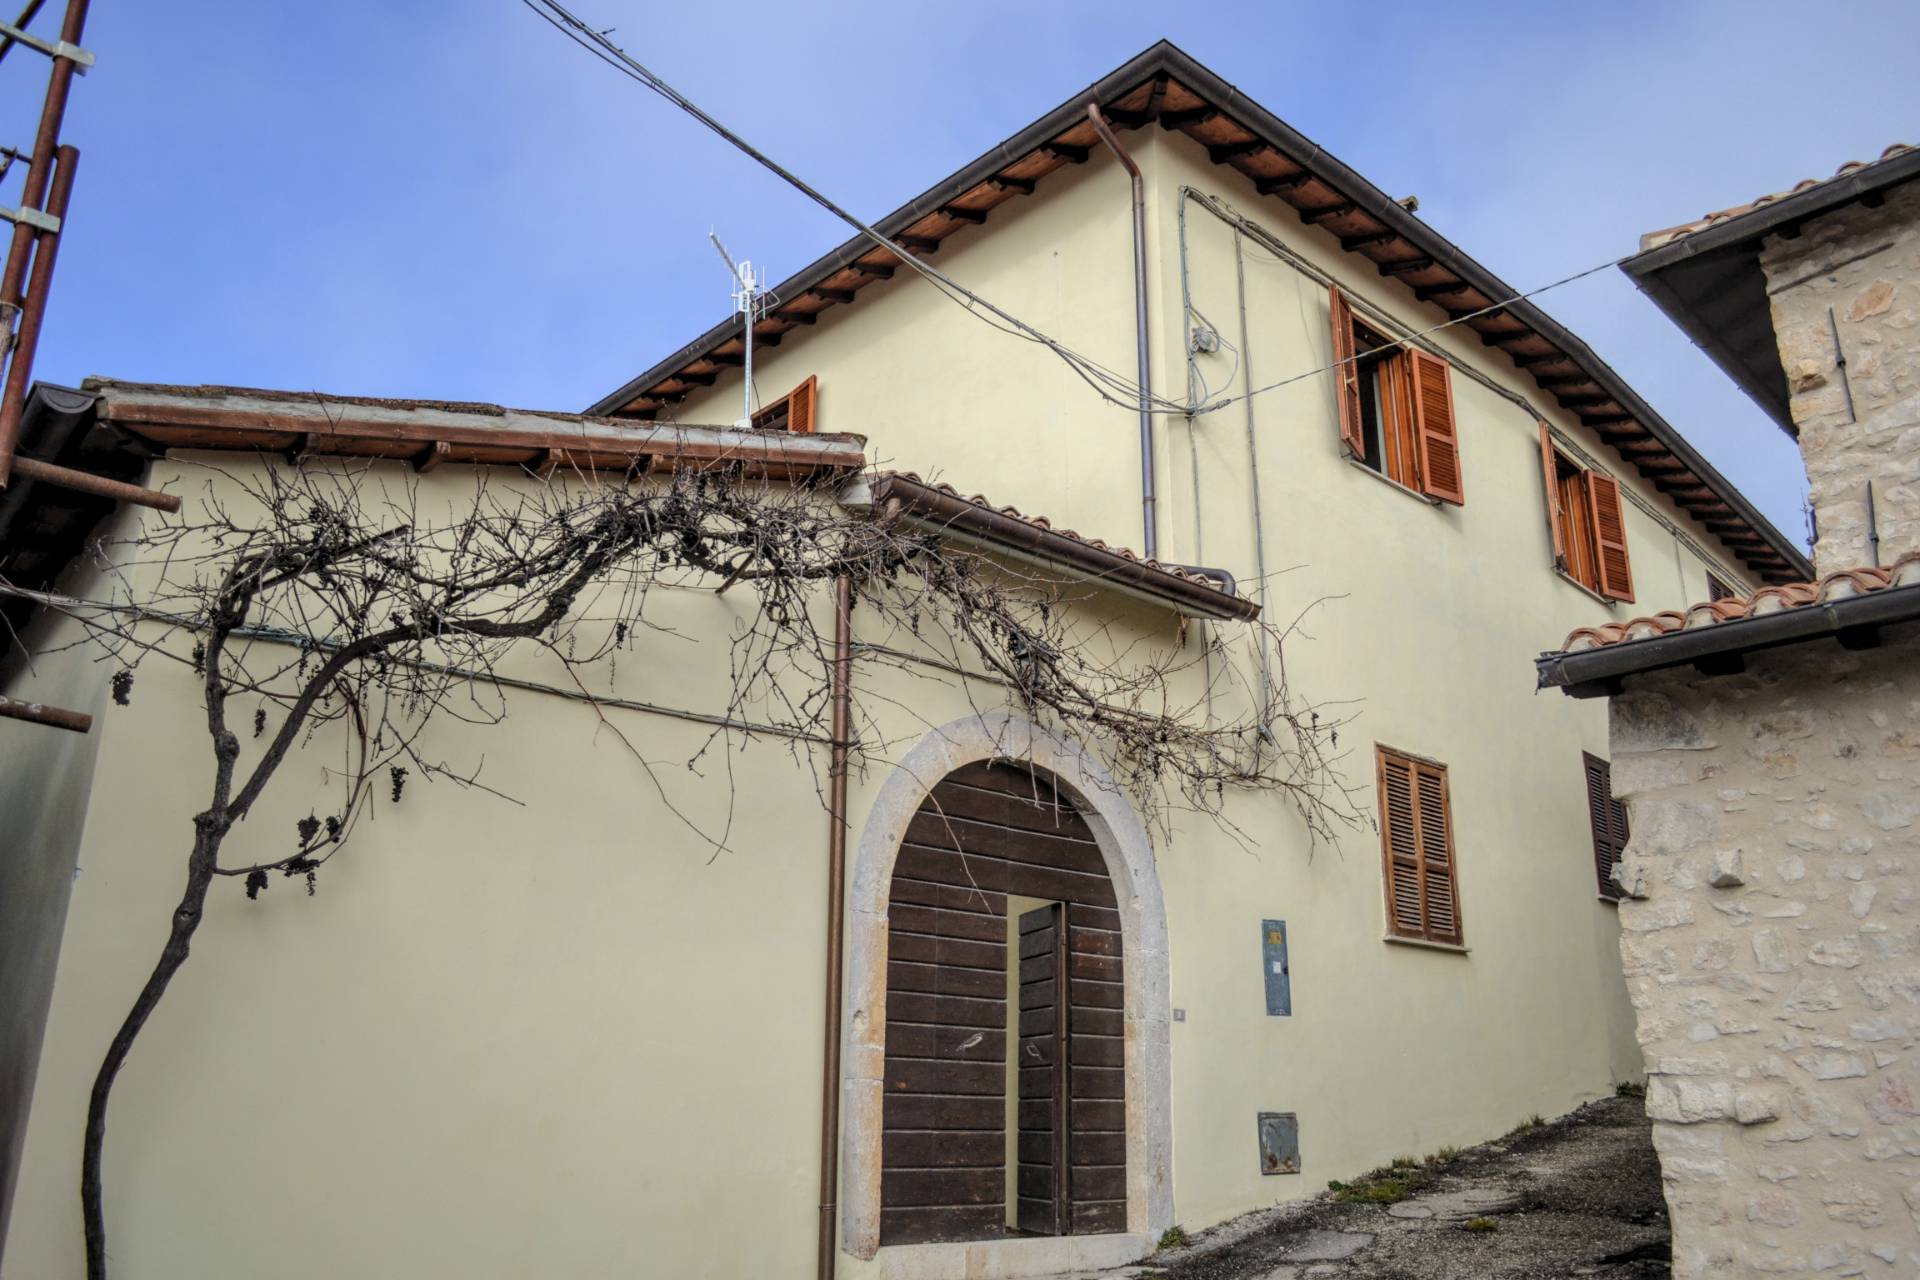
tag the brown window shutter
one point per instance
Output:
(1556, 518)
(1346, 374)
(1400, 843)
(1609, 821)
(800, 402)
(1433, 427)
(1436, 854)
(1610, 533)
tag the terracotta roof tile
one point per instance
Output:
(1041, 522)
(1903, 572)
(1654, 239)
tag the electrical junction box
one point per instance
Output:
(1273, 964)
(1279, 1142)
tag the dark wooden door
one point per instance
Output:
(1042, 1145)
(985, 832)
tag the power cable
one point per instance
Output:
(1107, 383)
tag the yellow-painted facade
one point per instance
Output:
(567, 1037)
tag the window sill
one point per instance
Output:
(1424, 945)
(1604, 900)
(1583, 588)
(1391, 483)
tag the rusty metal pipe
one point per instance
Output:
(1151, 549)
(13, 401)
(99, 486)
(44, 142)
(41, 713)
(842, 698)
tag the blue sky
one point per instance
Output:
(450, 200)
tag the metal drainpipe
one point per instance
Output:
(842, 698)
(1151, 548)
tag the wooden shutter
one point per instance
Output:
(1717, 590)
(1040, 1179)
(800, 402)
(1401, 842)
(1556, 519)
(1608, 818)
(1346, 374)
(1416, 830)
(1610, 536)
(792, 411)
(1434, 429)
(1436, 853)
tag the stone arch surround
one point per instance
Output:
(1128, 851)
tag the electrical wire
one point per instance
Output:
(1110, 385)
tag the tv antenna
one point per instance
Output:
(752, 300)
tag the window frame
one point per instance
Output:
(1417, 766)
(1409, 393)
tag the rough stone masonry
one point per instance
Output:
(1848, 285)
(1772, 951)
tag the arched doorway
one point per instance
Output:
(1127, 854)
(1005, 1110)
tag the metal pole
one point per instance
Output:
(1152, 543)
(13, 402)
(34, 196)
(41, 713)
(842, 696)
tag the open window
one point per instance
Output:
(1587, 523)
(1396, 407)
(792, 411)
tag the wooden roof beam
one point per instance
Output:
(1428, 292)
(1067, 151)
(831, 295)
(1314, 217)
(1288, 182)
(975, 216)
(874, 270)
(1186, 116)
(1406, 266)
(919, 244)
(1222, 152)
(1025, 186)
(1353, 244)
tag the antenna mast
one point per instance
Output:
(751, 300)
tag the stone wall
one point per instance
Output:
(1772, 953)
(1863, 265)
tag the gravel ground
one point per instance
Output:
(1577, 1196)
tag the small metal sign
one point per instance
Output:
(1273, 960)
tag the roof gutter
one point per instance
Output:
(951, 516)
(1854, 622)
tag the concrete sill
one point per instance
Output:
(1391, 483)
(1424, 945)
(1583, 588)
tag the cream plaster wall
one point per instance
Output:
(564, 1037)
(44, 786)
(1771, 954)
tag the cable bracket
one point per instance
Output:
(34, 218)
(80, 58)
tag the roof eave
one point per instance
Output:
(1662, 272)
(1598, 672)
(948, 515)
